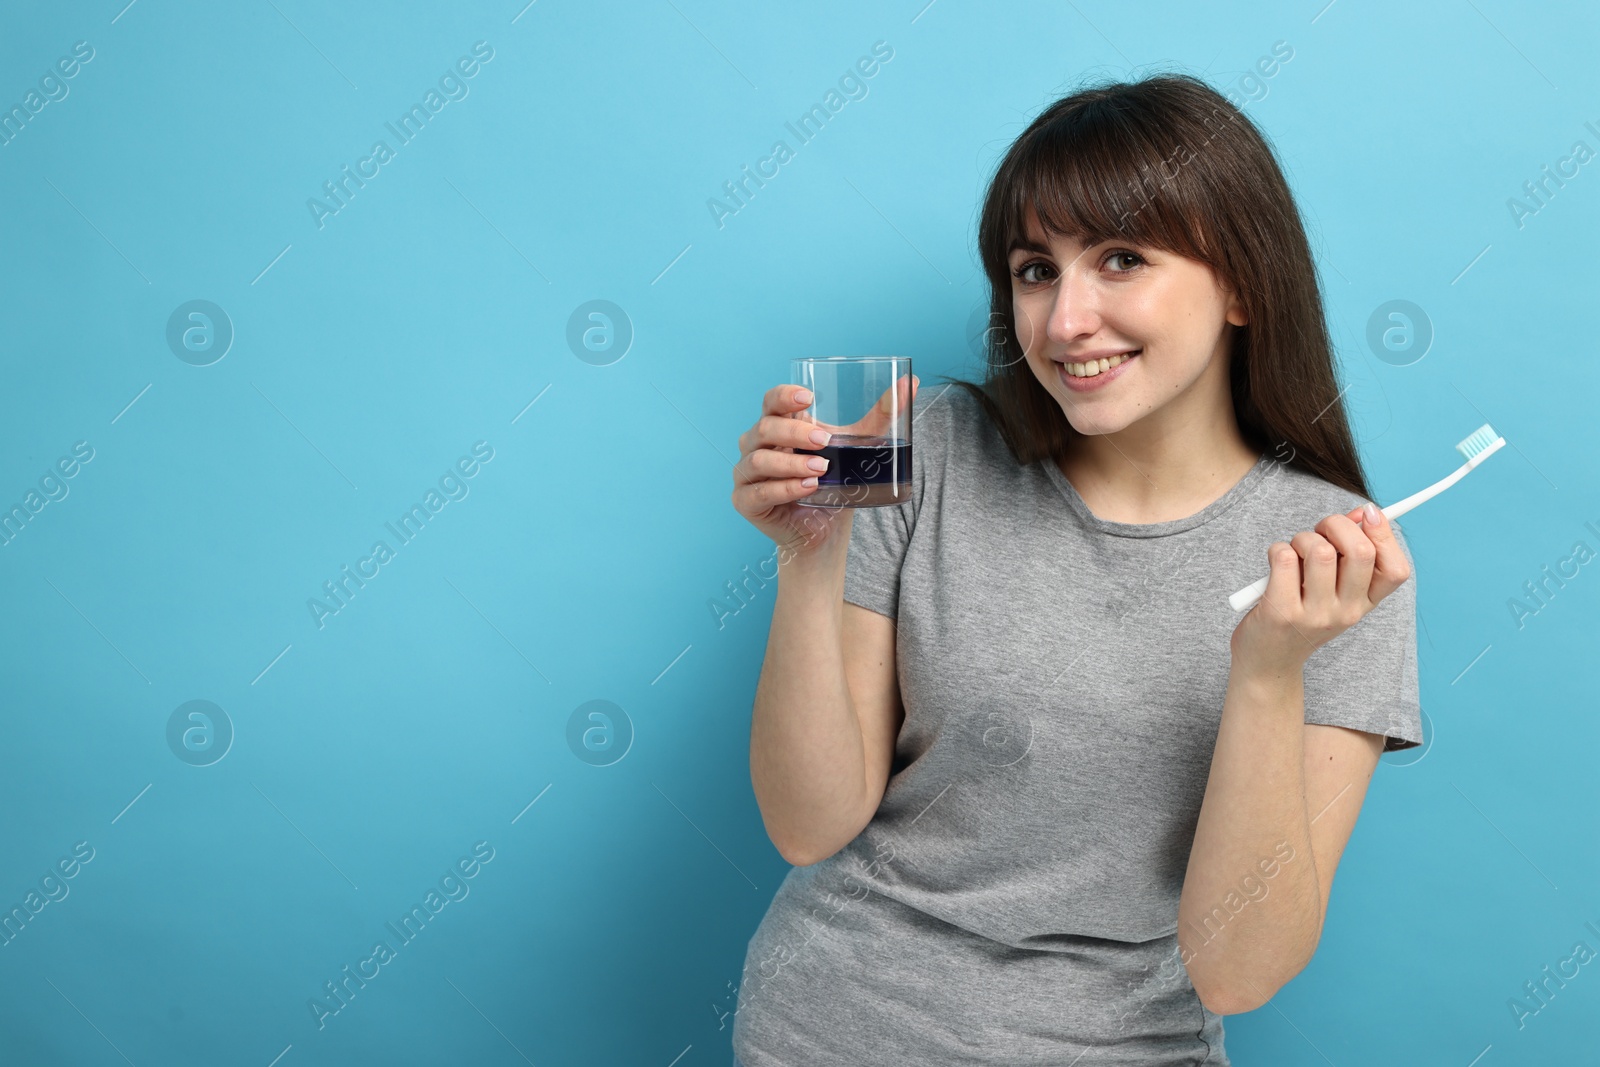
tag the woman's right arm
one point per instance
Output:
(827, 707)
(827, 710)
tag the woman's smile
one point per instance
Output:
(1087, 376)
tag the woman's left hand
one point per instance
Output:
(1321, 583)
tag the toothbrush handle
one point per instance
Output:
(1250, 595)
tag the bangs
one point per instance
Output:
(1101, 175)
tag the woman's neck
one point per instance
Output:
(1123, 483)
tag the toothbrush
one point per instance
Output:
(1480, 446)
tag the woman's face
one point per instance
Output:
(1072, 303)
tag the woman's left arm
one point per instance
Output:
(1283, 795)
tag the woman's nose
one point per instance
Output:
(1075, 311)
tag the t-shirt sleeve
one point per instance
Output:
(1366, 678)
(879, 537)
(878, 541)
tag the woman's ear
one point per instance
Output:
(1236, 313)
(1234, 309)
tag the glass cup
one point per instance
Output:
(865, 403)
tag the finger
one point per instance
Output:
(1319, 566)
(765, 464)
(743, 473)
(780, 400)
(904, 389)
(895, 400)
(779, 447)
(783, 399)
(1390, 568)
(1356, 556)
(1283, 579)
(779, 431)
(769, 463)
(802, 412)
(759, 496)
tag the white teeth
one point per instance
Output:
(1099, 366)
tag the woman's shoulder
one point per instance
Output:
(959, 453)
(937, 401)
(948, 412)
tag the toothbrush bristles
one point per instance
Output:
(1481, 438)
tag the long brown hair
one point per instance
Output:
(1170, 163)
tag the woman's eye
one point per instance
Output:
(1029, 273)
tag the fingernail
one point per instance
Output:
(821, 437)
(817, 463)
(802, 396)
(1371, 515)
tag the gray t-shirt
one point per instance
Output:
(1014, 899)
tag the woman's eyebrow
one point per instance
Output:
(1027, 244)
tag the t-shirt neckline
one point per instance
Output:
(1240, 489)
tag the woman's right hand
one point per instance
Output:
(770, 476)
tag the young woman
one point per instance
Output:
(1049, 797)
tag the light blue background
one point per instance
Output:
(586, 561)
